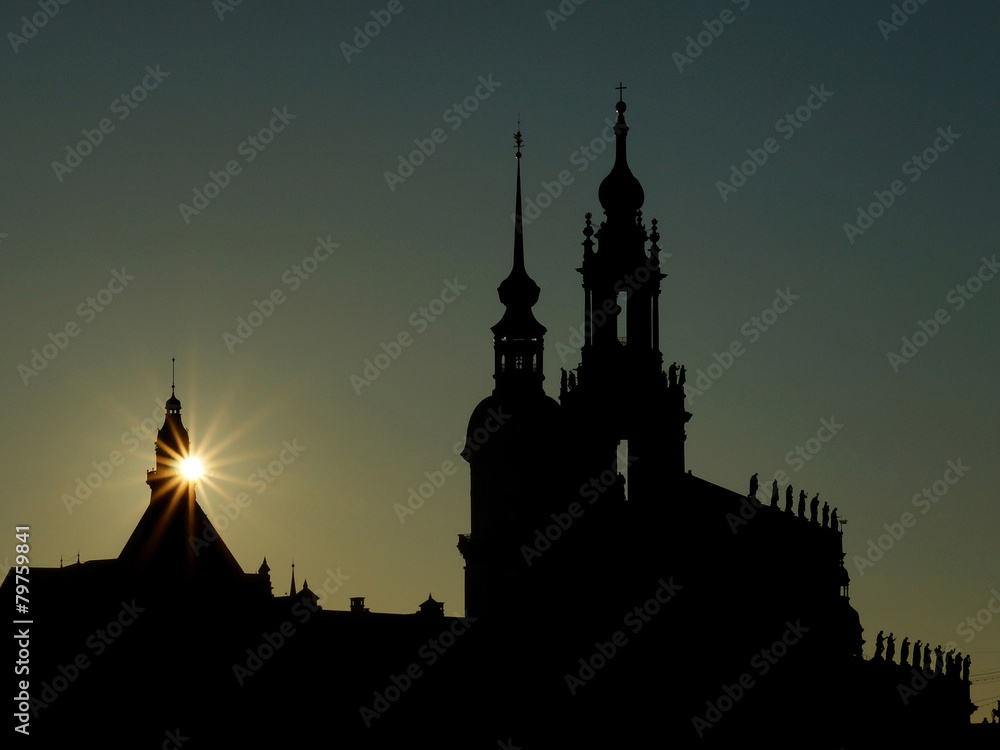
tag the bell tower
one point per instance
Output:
(175, 550)
(518, 337)
(511, 446)
(620, 393)
(173, 445)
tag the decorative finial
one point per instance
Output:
(172, 374)
(621, 101)
(518, 140)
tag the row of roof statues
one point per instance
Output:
(949, 663)
(828, 519)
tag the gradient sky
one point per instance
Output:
(888, 91)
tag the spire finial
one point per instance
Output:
(621, 99)
(172, 374)
(620, 192)
(518, 216)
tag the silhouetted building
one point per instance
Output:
(613, 599)
(637, 596)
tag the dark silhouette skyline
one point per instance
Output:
(595, 560)
(316, 232)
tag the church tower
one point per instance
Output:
(517, 338)
(175, 549)
(620, 394)
(510, 445)
(173, 446)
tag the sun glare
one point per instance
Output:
(191, 468)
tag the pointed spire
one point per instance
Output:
(291, 590)
(518, 289)
(620, 192)
(517, 338)
(518, 214)
(173, 404)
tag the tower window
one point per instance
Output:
(624, 460)
(621, 300)
(518, 362)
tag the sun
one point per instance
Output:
(192, 469)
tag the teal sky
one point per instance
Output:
(455, 77)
